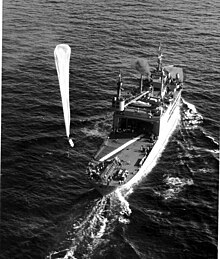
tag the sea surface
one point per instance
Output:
(48, 207)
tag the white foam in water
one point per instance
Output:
(213, 139)
(93, 132)
(88, 232)
(190, 106)
(176, 185)
(125, 209)
(127, 192)
(70, 255)
(102, 228)
(191, 117)
(123, 220)
(205, 170)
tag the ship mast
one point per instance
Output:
(159, 59)
(160, 70)
(119, 86)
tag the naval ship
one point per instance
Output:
(142, 123)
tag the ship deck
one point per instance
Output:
(132, 152)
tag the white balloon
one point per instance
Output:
(62, 58)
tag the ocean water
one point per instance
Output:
(48, 207)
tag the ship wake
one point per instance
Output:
(94, 229)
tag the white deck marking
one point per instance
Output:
(138, 97)
(120, 148)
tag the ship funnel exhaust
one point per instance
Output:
(62, 58)
(142, 66)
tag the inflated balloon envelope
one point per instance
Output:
(62, 58)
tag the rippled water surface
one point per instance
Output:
(49, 210)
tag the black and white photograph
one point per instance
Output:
(110, 129)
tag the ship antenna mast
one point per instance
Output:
(119, 85)
(159, 59)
